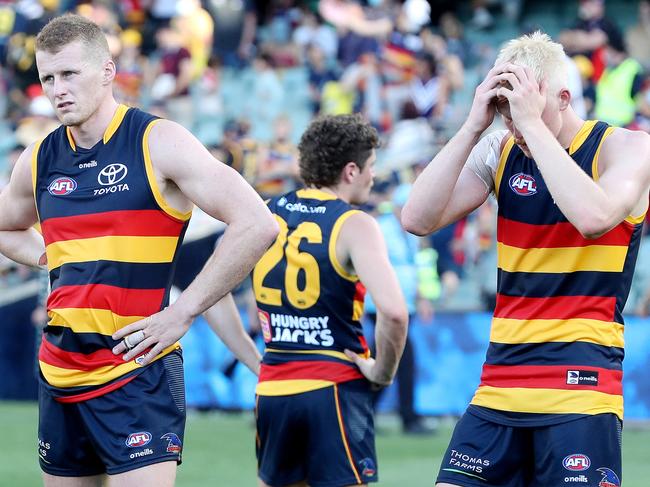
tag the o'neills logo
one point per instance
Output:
(582, 377)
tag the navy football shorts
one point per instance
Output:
(324, 436)
(584, 452)
(139, 424)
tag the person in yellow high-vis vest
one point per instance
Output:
(617, 88)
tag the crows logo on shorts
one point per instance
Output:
(367, 467)
(174, 444)
(610, 479)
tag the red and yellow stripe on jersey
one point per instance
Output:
(111, 242)
(309, 305)
(556, 342)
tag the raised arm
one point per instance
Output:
(445, 191)
(361, 243)
(18, 241)
(188, 173)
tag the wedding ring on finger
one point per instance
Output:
(131, 341)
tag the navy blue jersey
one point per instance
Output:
(309, 304)
(111, 243)
(556, 343)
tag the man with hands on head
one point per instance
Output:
(113, 189)
(572, 195)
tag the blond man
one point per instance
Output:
(572, 196)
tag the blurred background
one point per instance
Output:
(246, 77)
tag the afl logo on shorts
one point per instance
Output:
(138, 439)
(62, 186)
(576, 462)
(112, 174)
(523, 184)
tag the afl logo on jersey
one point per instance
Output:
(523, 184)
(112, 174)
(62, 186)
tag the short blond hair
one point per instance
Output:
(541, 54)
(69, 28)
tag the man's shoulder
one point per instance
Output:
(628, 142)
(623, 137)
(359, 225)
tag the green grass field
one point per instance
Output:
(219, 451)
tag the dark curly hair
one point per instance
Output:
(329, 143)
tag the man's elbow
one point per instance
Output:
(413, 223)
(594, 226)
(396, 314)
(267, 230)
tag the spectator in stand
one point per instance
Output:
(277, 169)
(130, 68)
(446, 243)
(358, 28)
(457, 44)
(429, 90)
(196, 29)
(235, 27)
(20, 57)
(158, 13)
(637, 37)
(230, 150)
(172, 75)
(274, 37)
(320, 73)
(448, 63)
(618, 86)
(313, 32)
(266, 96)
(588, 35)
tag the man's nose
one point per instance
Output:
(60, 88)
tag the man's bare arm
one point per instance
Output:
(18, 241)
(222, 193)
(362, 240)
(225, 321)
(444, 192)
(23, 246)
(593, 207)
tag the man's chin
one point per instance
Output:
(69, 120)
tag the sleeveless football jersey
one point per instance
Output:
(556, 342)
(309, 305)
(111, 243)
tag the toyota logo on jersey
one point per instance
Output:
(112, 174)
(523, 184)
(62, 186)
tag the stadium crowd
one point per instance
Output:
(247, 76)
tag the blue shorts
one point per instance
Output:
(326, 437)
(584, 452)
(139, 424)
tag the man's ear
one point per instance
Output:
(109, 71)
(349, 172)
(565, 99)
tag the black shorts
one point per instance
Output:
(326, 437)
(139, 424)
(585, 452)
